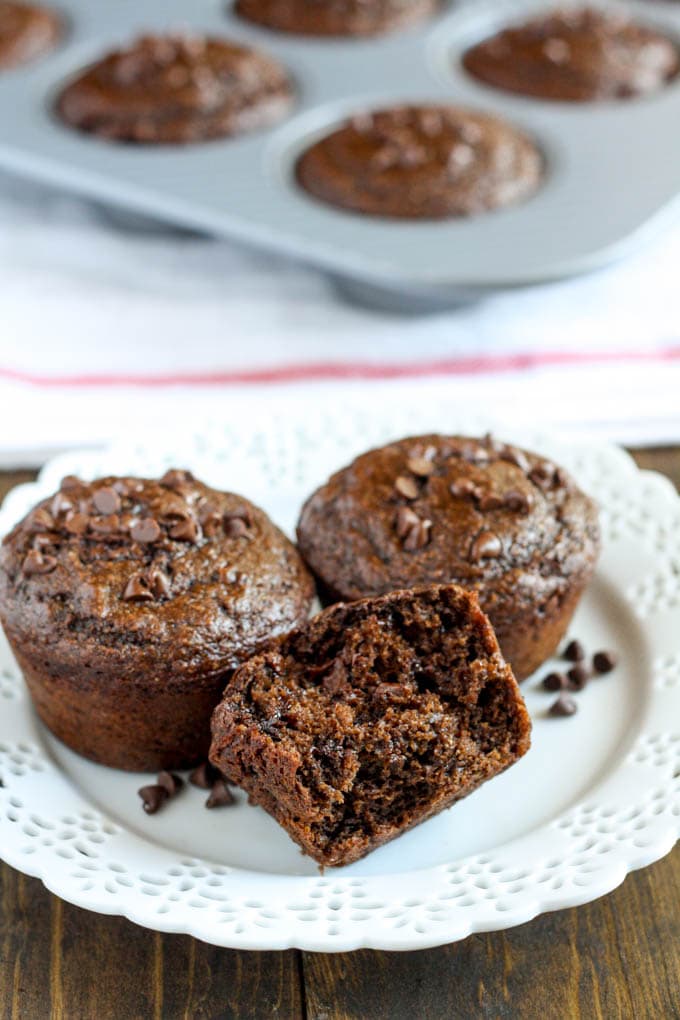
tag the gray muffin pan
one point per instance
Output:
(613, 169)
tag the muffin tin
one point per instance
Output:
(612, 169)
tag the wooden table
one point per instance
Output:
(616, 958)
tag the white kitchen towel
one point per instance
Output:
(105, 331)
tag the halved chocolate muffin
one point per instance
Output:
(577, 54)
(27, 31)
(506, 523)
(177, 89)
(129, 602)
(370, 719)
(335, 17)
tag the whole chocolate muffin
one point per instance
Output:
(177, 89)
(335, 17)
(508, 524)
(422, 162)
(26, 32)
(128, 603)
(370, 719)
(578, 55)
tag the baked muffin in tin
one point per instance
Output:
(506, 523)
(335, 17)
(129, 602)
(27, 31)
(177, 89)
(422, 162)
(576, 54)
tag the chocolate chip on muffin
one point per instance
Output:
(370, 719)
(177, 89)
(335, 17)
(26, 32)
(126, 630)
(576, 54)
(507, 523)
(418, 162)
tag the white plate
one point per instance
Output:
(597, 796)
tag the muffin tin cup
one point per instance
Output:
(612, 168)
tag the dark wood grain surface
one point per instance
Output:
(618, 957)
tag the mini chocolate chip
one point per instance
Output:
(185, 531)
(543, 474)
(106, 501)
(605, 662)
(39, 520)
(158, 582)
(520, 502)
(418, 537)
(170, 781)
(235, 527)
(554, 682)
(76, 523)
(474, 453)
(220, 795)
(145, 530)
(516, 457)
(391, 692)
(61, 504)
(406, 519)
(109, 525)
(153, 798)
(121, 487)
(577, 678)
(406, 487)
(563, 706)
(204, 776)
(486, 546)
(336, 679)
(420, 466)
(137, 590)
(37, 563)
(70, 482)
(464, 488)
(176, 479)
(574, 652)
(490, 501)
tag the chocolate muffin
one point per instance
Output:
(26, 32)
(370, 719)
(335, 17)
(129, 602)
(508, 524)
(422, 162)
(177, 89)
(576, 54)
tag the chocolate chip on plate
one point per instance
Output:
(554, 682)
(577, 678)
(170, 781)
(220, 795)
(605, 662)
(153, 797)
(574, 652)
(563, 706)
(204, 776)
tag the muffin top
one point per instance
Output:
(26, 32)
(419, 162)
(576, 54)
(335, 17)
(168, 575)
(176, 89)
(433, 509)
